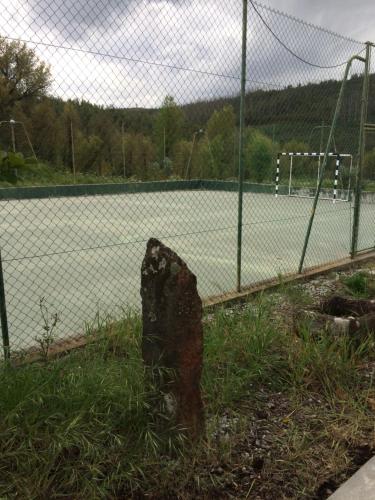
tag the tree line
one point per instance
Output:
(197, 140)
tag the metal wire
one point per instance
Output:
(141, 101)
(309, 63)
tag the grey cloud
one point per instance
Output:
(72, 18)
(270, 61)
(77, 19)
(204, 35)
(348, 17)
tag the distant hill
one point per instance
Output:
(292, 112)
(284, 115)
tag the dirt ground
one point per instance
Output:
(283, 446)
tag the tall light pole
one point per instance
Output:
(123, 149)
(321, 127)
(200, 131)
(12, 123)
(73, 155)
(164, 146)
(241, 154)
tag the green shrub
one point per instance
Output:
(11, 166)
(358, 284)
(259, 155)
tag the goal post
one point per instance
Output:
(340, 183)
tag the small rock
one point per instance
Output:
(262, 414)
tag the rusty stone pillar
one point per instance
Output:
(172, 341)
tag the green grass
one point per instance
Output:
(360, 285)
(240, 350)
(82, 427)
(44, 175)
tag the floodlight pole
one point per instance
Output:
(28, 140)
(123, 149)
(210, 150)
(290, 176)
(241, 144)
(361, 153)
(320, 149)
(164, 146)
(187, 172)
(3, 314)
(73, 155)
(326, 156)
(12, 123)
(321, 136)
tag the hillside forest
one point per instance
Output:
(197, 140)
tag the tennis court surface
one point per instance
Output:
(83, 255)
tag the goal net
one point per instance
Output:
(297, 174)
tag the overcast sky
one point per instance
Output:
(354, 18)
(133, 52)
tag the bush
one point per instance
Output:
(259, 155)
(12, 165)
(360, 285)
(369, 165)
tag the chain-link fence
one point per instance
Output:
(366, 232)
(145, 97)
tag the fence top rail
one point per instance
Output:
(61, 191)
(40, 192)
(9, 194)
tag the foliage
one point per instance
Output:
(168, 127)
(181, 153)
(47, 132)
(259, 153)
(221, 136)
(369, 165)
(82, 426)
(87, 153)
(360, 284)
(140, 155)
(240, 349)
(12, 166)
(103, 139)
(40, 174)
(47, 337)
(205, 164)
(221, 123)
(23, 75)
(296, 146)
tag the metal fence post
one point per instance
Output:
(3, 314)
(325, 159)
(361, 153)
(241, 144)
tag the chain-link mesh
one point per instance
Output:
(98, 91)
(366, 233)
(308, 64)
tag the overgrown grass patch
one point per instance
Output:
(40, 174)
(360, 284)
(240, 348)
(82, 426)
